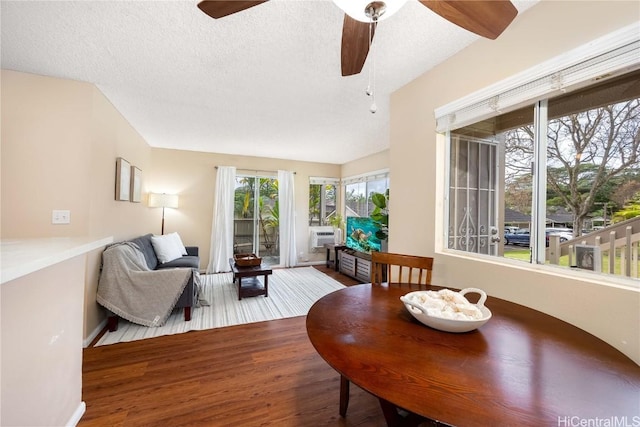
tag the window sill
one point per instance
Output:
(620, 282)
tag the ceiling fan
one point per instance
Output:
(487, 18)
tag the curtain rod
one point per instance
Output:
(256, 170)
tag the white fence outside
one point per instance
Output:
(622, 240)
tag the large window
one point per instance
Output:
(358, 192)
(256, 217)
(543, 167)
(473, 219)
(546, 182)
(323, 197)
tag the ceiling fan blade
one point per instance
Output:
(487, 18)
(355, 45)
(221, 8)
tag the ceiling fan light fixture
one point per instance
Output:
(357, 9)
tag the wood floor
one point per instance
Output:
(261, 374)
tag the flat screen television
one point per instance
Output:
(361, 234)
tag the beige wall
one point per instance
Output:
(41, 320)
(60, 140)
(112, 136)
(46, 134)
(374, 162)
(417, 156)
(192, 175)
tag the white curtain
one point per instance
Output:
(222, 223)
(287, 219)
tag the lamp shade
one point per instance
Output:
(157, 200)
(356, 8)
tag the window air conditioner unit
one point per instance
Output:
(319, 236)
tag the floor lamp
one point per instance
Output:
(157, 200)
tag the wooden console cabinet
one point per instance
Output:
(355, 264)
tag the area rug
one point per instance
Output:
(292, 292)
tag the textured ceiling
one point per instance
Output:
(263, 82)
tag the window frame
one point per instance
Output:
(326, 181)
(549, 79)
(365, 178)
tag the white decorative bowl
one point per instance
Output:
(448, 325)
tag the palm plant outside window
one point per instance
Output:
(256, 217)
(322, 201)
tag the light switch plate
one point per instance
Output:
(61, 217)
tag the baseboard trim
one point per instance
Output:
(77, 414)
(309, 263)
(87, 341)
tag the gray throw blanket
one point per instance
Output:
(131, 290)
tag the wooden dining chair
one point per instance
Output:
(396, 270)
(400, 269)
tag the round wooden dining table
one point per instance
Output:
(521, 368)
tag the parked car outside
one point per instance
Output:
(510, 229)
(518, 237)
(522, 238)
(564, 233)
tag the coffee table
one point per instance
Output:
(251, 286)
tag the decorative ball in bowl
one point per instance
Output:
(447, 310)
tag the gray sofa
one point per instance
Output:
(189, 297)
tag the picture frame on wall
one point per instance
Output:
(123, 179)
(136, 185)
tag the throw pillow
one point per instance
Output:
(166, 248)
(178, 243)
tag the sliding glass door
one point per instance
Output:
(256, 217)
